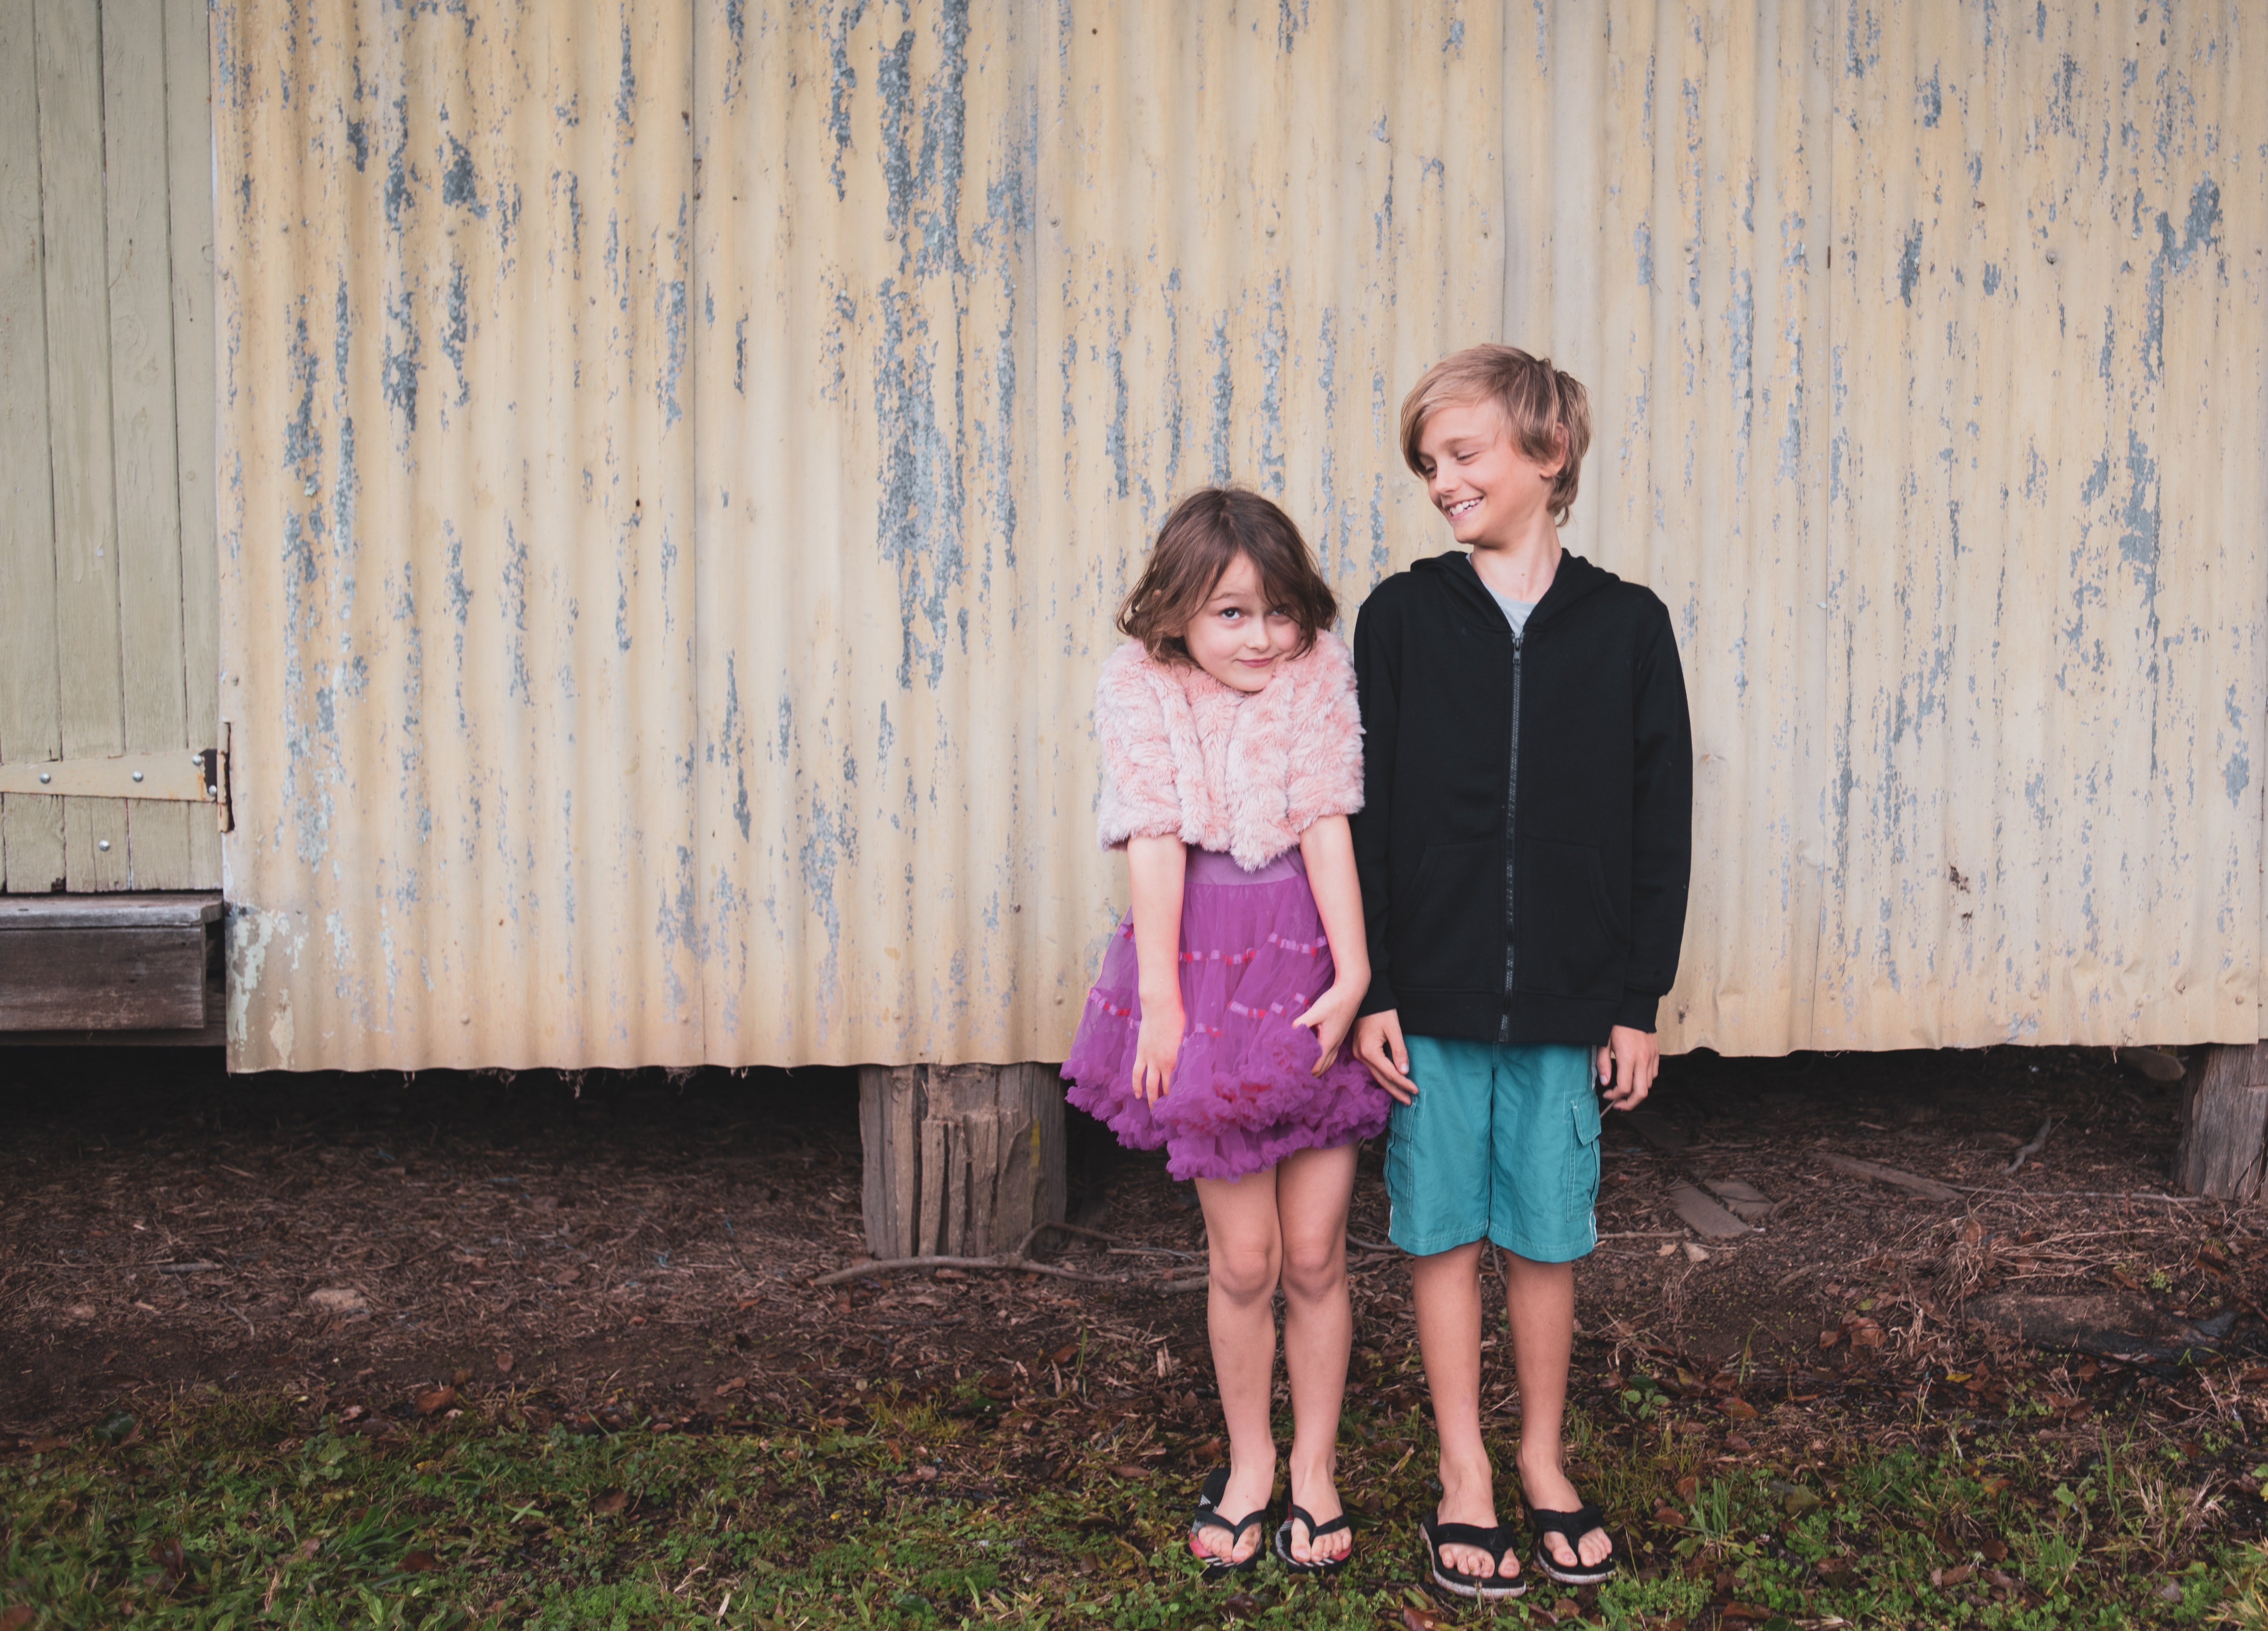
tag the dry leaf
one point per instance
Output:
(1739, 1409)
(440, 1399)
(1242, 1603)
(340, 1300)
(503, 1362)
(1994, 1548)
(613, 1502)
(168, 1555)
(1064, 1354)
(1686, 1486)
(420, 1562)
(732, 1386)
(43, 1446)
(1566, 1608)
(1958, 1575)
(1668, 1516)
(1421, 1620)
(1129, 1472)
(308, 1549)
(17, 1618)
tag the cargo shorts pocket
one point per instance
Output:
(1583, 1159)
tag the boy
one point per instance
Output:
(1523, 848)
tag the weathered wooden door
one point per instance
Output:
(109, 604)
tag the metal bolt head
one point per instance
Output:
(45, 778)
(212, 791)
(137, 776)
(102, 844)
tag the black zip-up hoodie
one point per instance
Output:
(1526, 832)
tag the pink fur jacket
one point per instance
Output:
(1224, 769)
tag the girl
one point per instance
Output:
(1233, 754)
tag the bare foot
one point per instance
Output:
(1549, 1490)
(1315, 1492)
(1470, 1498)
(1249, 1487)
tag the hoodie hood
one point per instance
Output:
(1576, 580)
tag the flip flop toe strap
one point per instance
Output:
(1571, 1527)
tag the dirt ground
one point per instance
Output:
(637, 1247)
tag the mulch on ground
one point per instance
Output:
(643, 1243)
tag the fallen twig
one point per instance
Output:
(2084, 1194)
(2039, 1142)
(1007, 1262)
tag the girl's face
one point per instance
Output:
(1238, 637)
(1477, 476)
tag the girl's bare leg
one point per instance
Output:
(1245, 1245)
(1313, 1188)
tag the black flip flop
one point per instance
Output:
(1315, 1531)
(1436, 1535)
(1208, 1517)
(1571, 1527)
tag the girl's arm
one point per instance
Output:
(1156, 866)
(1328, 848)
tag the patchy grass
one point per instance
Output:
(989, 1501)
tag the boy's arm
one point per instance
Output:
(1377, 659)
(1661, 825)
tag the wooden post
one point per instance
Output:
(961, 1160)
(2224, 1122)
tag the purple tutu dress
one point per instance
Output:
(1253, 958)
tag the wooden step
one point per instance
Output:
(141, 968)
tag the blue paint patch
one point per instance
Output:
(1224, 401)
(459, 186)
(1275, 341)
(1642, 243)
(1991, 279)
(626, 91)
(1929, 101)
(2201, 230)
(841, 82)
(2236, 775)
(398, 371)
(515, 612)
(669, 306)
(455, 330)
(1910, 265)
(2139, 543)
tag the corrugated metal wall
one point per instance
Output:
(1927, 342)
(680, 461)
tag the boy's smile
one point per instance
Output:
(1491, 493)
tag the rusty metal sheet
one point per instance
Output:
(1927, 347)
(679, 464)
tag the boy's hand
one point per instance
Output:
(1156, 1047)
(1328, 1018)
(1378, 1044)
(1627, 1066)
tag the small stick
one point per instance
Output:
(1007, 1262)
(2084, 1194)
(2039, 1142)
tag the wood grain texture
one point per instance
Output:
(959, 1159)
(189, 192)
(102, 979)
(123, 911)
(2224, 1123)
(31, 829)
(68, 51)
(137, 241)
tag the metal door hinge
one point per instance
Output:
(180, 774)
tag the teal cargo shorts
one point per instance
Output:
(1501, 1142)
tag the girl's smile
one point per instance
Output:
(1238, 637)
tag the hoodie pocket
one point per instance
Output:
(1449, 936)
(1569, 942)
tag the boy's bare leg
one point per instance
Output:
(1445, 1287)
(1313, 1190)
(1540, 1298)
(1245, 1245)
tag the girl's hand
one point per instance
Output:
(1157, 1046)
(1329, 1018)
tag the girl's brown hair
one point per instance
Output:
(1201, 538)
(1540, 403)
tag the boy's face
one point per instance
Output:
(1477, 476)
(1237, 637)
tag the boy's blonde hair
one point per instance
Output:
(1540, 404)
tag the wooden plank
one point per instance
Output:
(122, 911)
(2224, 1139)
(67, 48)
(189, 192)
(30, 725)
(138, 241)
(1704, 1216)
(102, 979)
(1928, 1188)
(177, 776)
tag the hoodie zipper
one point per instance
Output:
(1511, 820)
